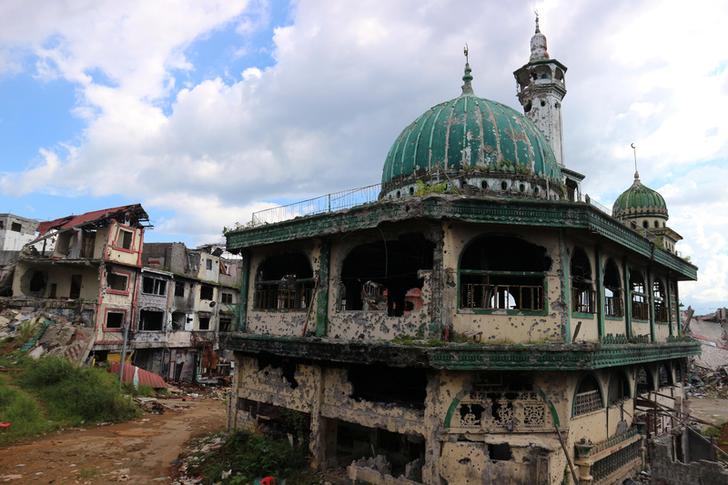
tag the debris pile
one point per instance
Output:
(706, 382)
(198, 451)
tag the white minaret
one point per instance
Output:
(541, 88)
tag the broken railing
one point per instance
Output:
(332, 202)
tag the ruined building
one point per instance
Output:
(478, 320)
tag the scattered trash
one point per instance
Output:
(5, 424)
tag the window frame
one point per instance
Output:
(154, 310)
(155, 284)
(178, 284)
(122, 228)
(117, 272)
(121, 311)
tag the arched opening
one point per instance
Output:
(644, 381)
(588, 396)
(659, 297)
(284, 282)
(503, 273)
(618, 388)
(612, 290)
(664, 376)
(582, 290)
(640, 309)
(385, 275)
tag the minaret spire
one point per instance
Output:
(467, 76)
(636, 173)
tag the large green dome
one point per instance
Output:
(639, 201)
(468, 135)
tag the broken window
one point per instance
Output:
(124, 239)
(582, 291)
(227, 298)
(664, 376)
(151, 320)
(640, 309)
(618, 388)
(2, 224)
(37, 283)
(402, 386)
(179, 288)
(644, 381)
(225, 324)
(206, 292)
(204, 322)
(16, 226)
(612, 290)
(500, 451)
(284, 282)
(660, 301)
(154, 286)
(286, 366)
(114, 319)
(503, 273)
(178, 320)
(52, 291)
(208, 264)
(116, 281)
(588, 396)
(75, 291)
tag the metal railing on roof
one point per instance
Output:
(335, 201)
(599, 206)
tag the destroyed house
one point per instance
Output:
(86, 267)
(473, 319)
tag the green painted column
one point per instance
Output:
(322, 294)
(651, 300)
(600, 291)
(677, 307)
(244, 285)
(668, 297)
(627, 301)
(565, 286)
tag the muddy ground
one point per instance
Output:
(137, 452)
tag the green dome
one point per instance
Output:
(465, 135)
(639, 201)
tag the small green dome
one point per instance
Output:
(468, 134)
(639, 201)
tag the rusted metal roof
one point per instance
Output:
(135, 210)
(138, 376)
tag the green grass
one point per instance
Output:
(252, 456)
(38, 396)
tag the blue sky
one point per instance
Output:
(205, 111)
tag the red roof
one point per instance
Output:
(142, 377)
(93, 216)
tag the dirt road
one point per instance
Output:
(137, 452)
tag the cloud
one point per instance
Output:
(348, 77)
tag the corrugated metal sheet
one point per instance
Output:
(138, 376)
(93, 216)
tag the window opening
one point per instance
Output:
(124, 238)
(178, 320)
(225, 324)
(116, 281)
(52, 291)
(206, 292)
(284, 282)
(402, 386)
(612, 290)
(38, 282)
(204, 322)
(287, 367)
(154, 286)
(503, 273)
(227, 298)
(500, 451)
(385, 276)
(660, 301)
(582, 291)
(75, 291)
(114, 319)
(644, 381)
(618, 388)
(208, 264)
(663, 376)
(179, 288)
(151, 321)
(640, 309)
(16, 227)
(588, 397)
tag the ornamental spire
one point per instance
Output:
(636, 173)
(539, 50)
(467, 77)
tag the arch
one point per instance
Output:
(664, 375)
(619, 388)
(384, 274)
(659, 298)
(284, 282)
(582, 289)
(644, 382)
(588, 396)
(613, 306)
(499, 272)
(638, 289)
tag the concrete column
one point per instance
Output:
(318, 437)
(668, 303)
(433, 425)
(322, 294)
(651, 300)
(600, 291)
(565, 286)
(677, 306)
(627, 300)
(244, 285)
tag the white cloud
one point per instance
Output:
(349, 76)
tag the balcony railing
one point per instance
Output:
(502, 297)
(333, 202)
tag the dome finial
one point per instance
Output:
(539, 51)
(467, 77)
(538, 30)
(636, 173)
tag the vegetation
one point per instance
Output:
(245, 457)
(38, 396)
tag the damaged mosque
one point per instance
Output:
(479, 319)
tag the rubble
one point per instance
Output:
(706, 382)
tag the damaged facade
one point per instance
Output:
(480, 322)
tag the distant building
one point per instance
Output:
(16, 231)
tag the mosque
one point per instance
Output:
(479, 320)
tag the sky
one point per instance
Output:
(205, 111)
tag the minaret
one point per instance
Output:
(541, 88)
